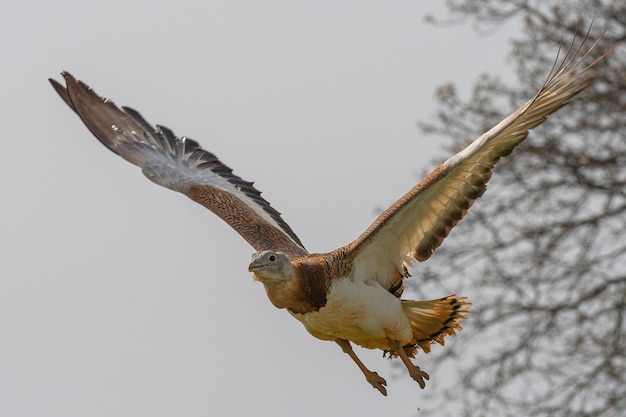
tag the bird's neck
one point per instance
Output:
(305, 293)
(283, 294)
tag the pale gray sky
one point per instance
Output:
(120, 298)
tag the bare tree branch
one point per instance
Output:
(543, 257)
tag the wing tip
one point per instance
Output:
(62, 90)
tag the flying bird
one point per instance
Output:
(351, 294)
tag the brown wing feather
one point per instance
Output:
(182, 165)
(257, 231)
(416, 225)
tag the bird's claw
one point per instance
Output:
(377, 382)
(418, 375)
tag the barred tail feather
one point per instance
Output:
(432, 320)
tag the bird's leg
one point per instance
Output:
(416, 373)
(373, 378)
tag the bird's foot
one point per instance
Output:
(418, 375)
(372, 377)
(377, 382)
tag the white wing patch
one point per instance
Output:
(414, 226)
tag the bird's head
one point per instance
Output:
(275, 271)
(271, 267)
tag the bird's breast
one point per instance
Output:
(362, 312)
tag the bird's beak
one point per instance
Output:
(255, 265)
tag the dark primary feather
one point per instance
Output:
(125, 132)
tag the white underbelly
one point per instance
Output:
(362, 312)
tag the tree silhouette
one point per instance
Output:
(543, 256)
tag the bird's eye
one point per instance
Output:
(272, 258)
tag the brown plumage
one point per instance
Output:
(351, 294)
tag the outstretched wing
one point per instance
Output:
(415, 225)
(180, 164)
